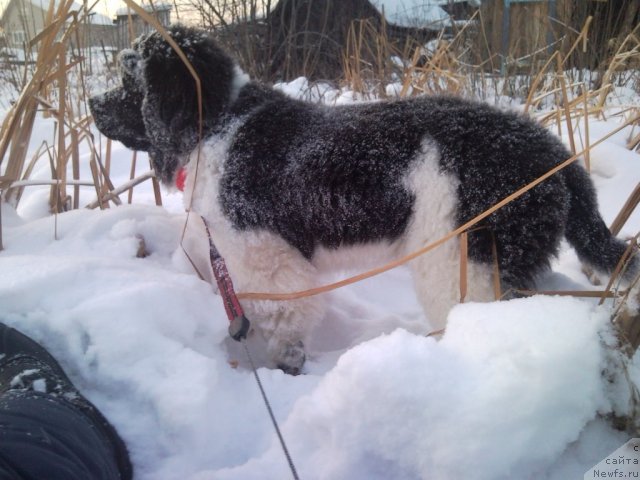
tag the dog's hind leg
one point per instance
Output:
(436, 274)
(263, 262)
(437, 280)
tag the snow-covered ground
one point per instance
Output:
(514, 390)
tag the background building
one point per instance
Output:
(130, 26)
(22, 20)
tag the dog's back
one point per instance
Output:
(337, 176)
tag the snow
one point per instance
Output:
(418, 13)
(414, 13)
(478, 401)
(513, 390)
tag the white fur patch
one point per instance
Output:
(436, 273)
(367, 255)
(240, 79)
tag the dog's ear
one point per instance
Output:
(170, 106)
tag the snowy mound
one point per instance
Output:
(507, 390)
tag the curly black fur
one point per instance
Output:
(334, 176)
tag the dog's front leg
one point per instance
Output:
(284, 327)
(264, 262)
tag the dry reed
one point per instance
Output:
(47, 89)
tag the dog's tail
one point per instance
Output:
(585, 229)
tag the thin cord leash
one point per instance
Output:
(239, 328)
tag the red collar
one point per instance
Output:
(181, 177)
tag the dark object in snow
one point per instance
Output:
(292, 188)
(47, 428)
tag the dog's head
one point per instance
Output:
(156, 108)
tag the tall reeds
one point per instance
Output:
(55, 86)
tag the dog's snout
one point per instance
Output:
(117, 115)
(100, 106)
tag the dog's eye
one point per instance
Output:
(128, 60)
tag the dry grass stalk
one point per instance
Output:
(464, 260)
(621, 268)
(132, 175)
(536, 83)
(440, 73)
(368, 57)
(96, 180)
(48, 89)
(586, 144)
(627, 322)
(114, 193)
(443, 71)
(634, 141)
(596, 294)
(583, 37)
(157, 193)
(629, 50)
(626, 211)
(59, 192)
(575, 106)
(352, 62)
(565, 103)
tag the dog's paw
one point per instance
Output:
(291, 358)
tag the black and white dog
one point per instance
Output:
(291, 188)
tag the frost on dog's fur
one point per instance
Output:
(292, 188)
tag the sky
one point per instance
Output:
(109, 6)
